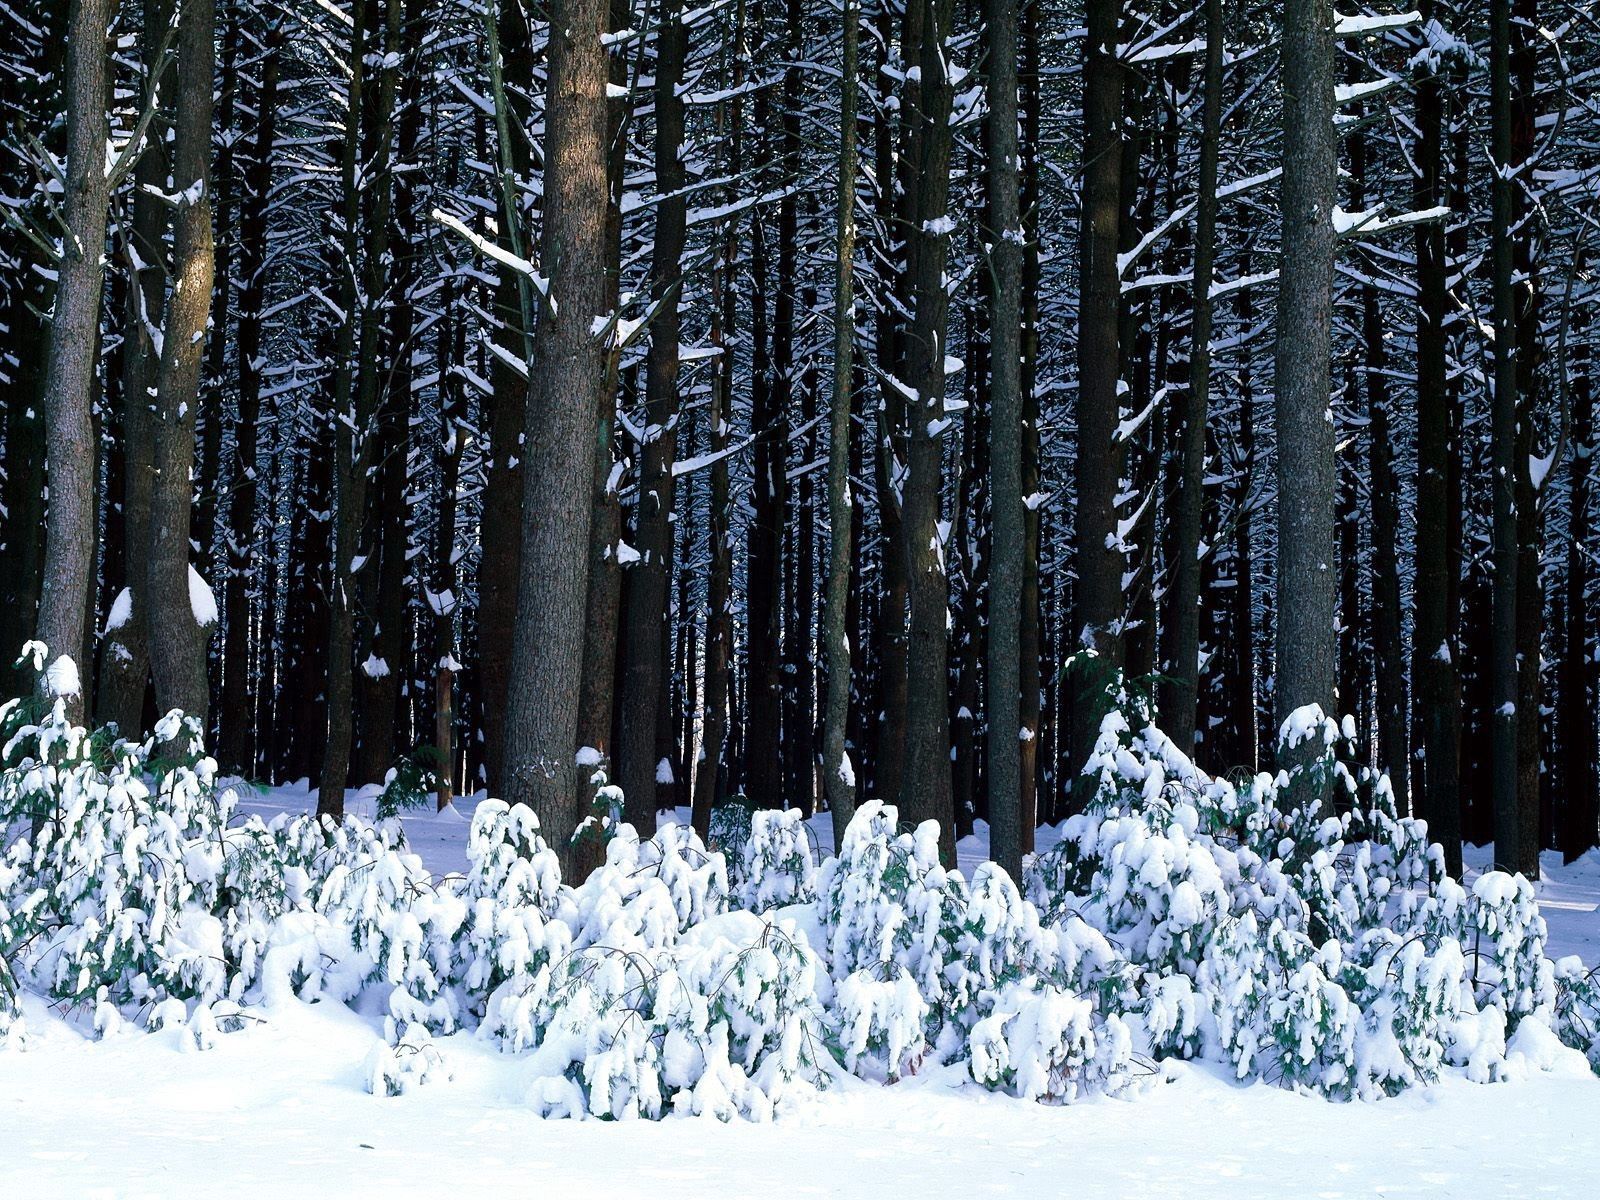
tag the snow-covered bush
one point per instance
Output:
(1409, 992)
(776, 864)
(649, 892)
(401, 932)
(1178, 915)
(115, 861)
(11, 1027)
(1578, 1007)
(726, 1023)
(880, 1023)
(513, 896)
(1507, 937)
(1042, 1043)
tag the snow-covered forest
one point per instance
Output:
(788, 559)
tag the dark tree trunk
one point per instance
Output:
(177, 640)
(1181, 696)
(501, 520)
(925, 791)
(1505, 471)
(541, 728)
(1306, 587)
(645, 686)
(125, 654)
(1003, 657)
(1435, 678)
(838, 773)
(1097, 604)
(74, 340)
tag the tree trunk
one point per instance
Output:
(650, 579)
(178, 640)
(74, 339)
(838, 773)
(1580, 808)
(1504, 469)
(1003, 653)
(125, 655)
(1306, 583)
(541, 728)
(238, 739)
(1435, 679)
(1182, 690)
(925, 789)
(501, 520)
(1098, 560)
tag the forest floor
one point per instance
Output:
(281, 1109)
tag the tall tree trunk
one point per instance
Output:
(890, 750)
(1181, 694)
(1530, 497)
(838, 773)
(719, 540)
(1003, 658)
(1504, 468)
(650, 579)
(238, 741)
(1029, 640)
(125, 655)
(178, 640)
(385, 594)
(541, 728)
(925, 789)
(1580, 807)
(1306, 583)
(1435, 678)
(501, 520)
(1097, 608)
(74, 340)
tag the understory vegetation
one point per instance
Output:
(1179, 916)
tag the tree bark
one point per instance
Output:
(178, 640)
(1435, 677)
(650, 579)
(541, 728)
(1306, 582)
(1004, 649)
(925, 791)
(1182, 690)
(238, 740)
(1098, 561)
(74, 340)
(1503, 441)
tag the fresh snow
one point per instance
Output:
(202, 602)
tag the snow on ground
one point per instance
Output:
(281, 1109)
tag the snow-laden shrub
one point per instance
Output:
(880, 1020)
(1409, 993)
(1311, 1024)
(11, 1025)
(401, 931)
(777, 865)
(726, 1023)
(1507, 936)
(1042, 1043)
(648, 892)
(117, 852)
(513, 896)
(1172, 1017)
(1578, 1007)
(411, 1061)
(886, 901)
